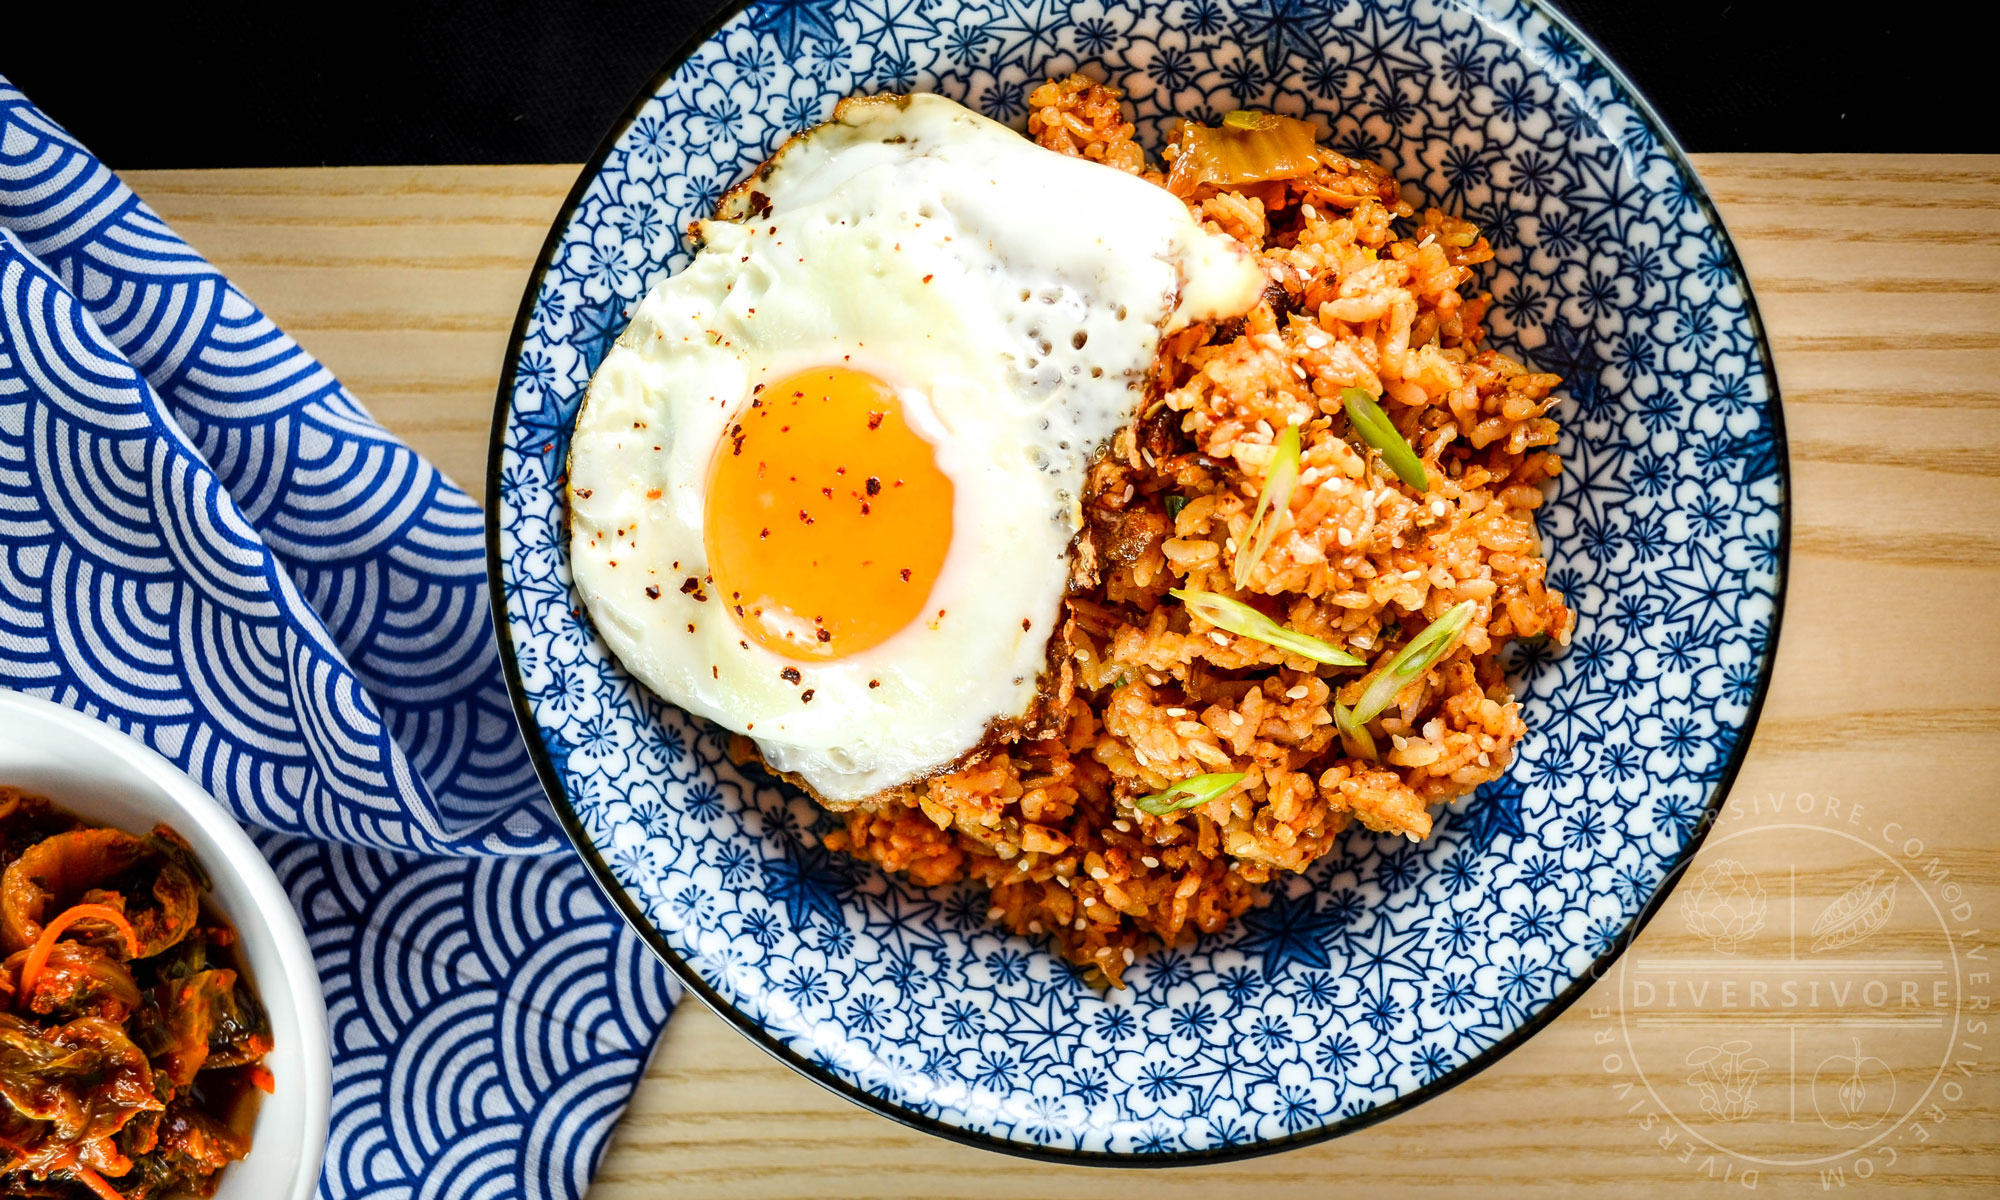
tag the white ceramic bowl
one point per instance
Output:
(100, 774)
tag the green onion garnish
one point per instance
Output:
(1378, 431)
(1353, 733)
(1276, 499)
(1243, 118)
(1188, 793)
(1238, 617)
(1420, 655)
(1175, 503)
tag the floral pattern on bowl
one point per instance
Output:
(1392, 969)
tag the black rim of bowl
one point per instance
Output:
(695, 984)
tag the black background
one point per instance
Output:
(222, 85)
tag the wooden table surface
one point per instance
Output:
(1879, 279)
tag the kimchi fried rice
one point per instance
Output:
(1364, 293)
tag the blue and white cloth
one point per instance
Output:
(206, 542)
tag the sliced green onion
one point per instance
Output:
(1378, 431)
(1175, 503)
(1188, 793)
(1420, 655)
(1353, 733)
(1276, 500)
(1244, 118)
(1238, 617)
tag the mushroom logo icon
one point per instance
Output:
(1726, 1077)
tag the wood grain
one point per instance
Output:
(1879, 279)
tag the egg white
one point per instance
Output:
(1013, 297)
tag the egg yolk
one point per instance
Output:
(828, 518)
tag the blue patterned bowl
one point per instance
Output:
(1392, 970)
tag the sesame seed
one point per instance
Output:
(1149, 860)
(1298, 693)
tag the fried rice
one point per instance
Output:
(1365, 292)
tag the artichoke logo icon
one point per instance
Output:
(1725, 905)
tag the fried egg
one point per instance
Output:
(825, 486)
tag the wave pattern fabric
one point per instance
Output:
(206, 542)
(488, 1019)
(387, 551)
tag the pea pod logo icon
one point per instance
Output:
(1856, 915)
